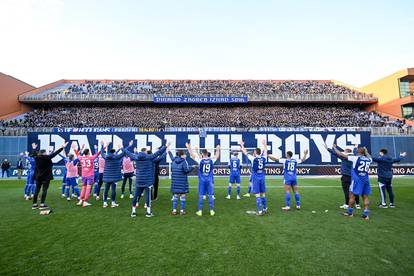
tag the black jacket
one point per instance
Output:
(44, 165)
(5, 165)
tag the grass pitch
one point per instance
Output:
(93, 240)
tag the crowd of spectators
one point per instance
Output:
(207, 87)
(153, 116)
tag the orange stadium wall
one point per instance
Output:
(10, 89)
(387, 90)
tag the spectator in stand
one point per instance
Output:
(215, 116)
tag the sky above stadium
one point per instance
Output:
(352, 41)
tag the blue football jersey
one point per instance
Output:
(360, 168)
(289, 168)
(258, 166)
(96, 165)
(235, 167)
(205, 169)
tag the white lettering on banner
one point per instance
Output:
(276, 143)
(210, 143)
(194, 140)
(290, 144)
(81, 140)
(141, 141)
(295, 142)
(59, 141)
(117, 141)
(319, 142)
(155, 142)
(225, 144)
(107, 138)
(235, 138)
(173, 140)
(345, 141)
(259, 139)
(45, 143)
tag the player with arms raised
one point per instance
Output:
(205, 177)
(360, 180)
(235, 171)
(258, 160)
(289, 176)
(86, 160)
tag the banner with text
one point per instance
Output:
(277, 142)
(199, 99)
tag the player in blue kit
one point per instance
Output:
(360, 179)
(258, 160)
(30, 187)
(205, 177)
(289, 176)
(95, 173)
(235, 172)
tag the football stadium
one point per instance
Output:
(201, 175)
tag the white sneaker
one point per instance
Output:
(297, 207)
(286, 208)
(63, 195)
(105, 205)
(131, 196)
(97, 198)
(86, 204)
(80, 202)
(204, 197)
(113, 205)
(68, 199)
(238, 197)
(228, 196)
(122, 196)
(358, 206)
(213, 196)
(344, 206)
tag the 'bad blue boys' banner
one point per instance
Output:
(277, 142)
(199, 99)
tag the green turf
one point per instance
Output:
(94, 240)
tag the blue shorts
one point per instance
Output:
(31, 178)
(96, 176)
(360, 188)
(72, 181)
(234, 179)
(258, 185)
(205, 187)
(290, 182)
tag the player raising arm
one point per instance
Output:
(385, 163)
(235, 171)
(258, 176)
(86, 160)
(289, 176)
(360, 179)
(205, 177)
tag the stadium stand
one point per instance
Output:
(152, 116)
(130, 103)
